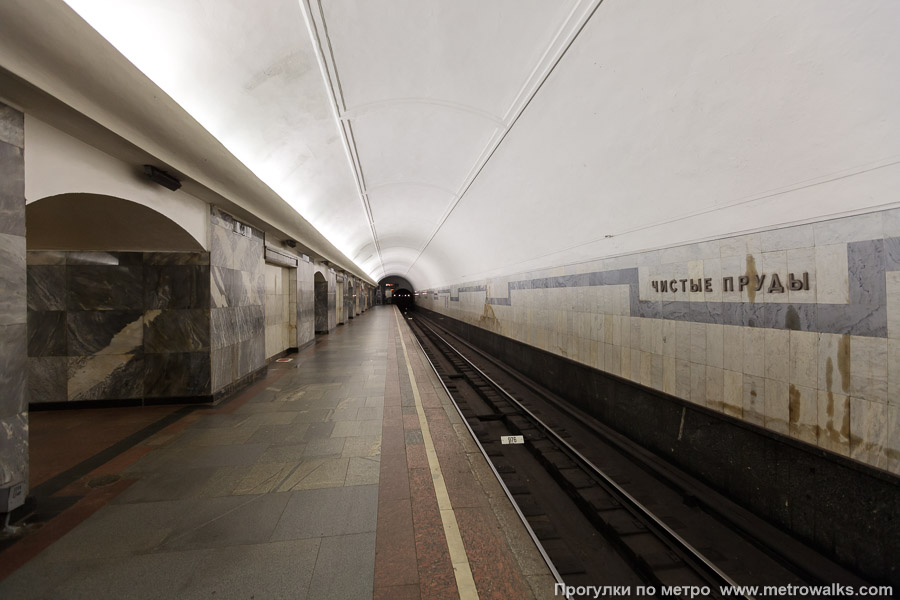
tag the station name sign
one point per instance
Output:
(776, 285)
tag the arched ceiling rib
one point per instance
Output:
(447, 141)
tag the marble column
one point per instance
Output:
(13, 337)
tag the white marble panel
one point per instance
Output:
(754, 403)
(832, 274)
(715, 388)
(774, 263)
(868, 431)
(800, 236)
(850, 229)
(803, 413)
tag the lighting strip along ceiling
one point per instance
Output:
(338, 106)
(574, 24)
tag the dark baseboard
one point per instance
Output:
(235, 386)
(119, 402)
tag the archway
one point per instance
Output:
(321, 303)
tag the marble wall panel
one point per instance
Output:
(104, 332)
(237, 284)
(47, 379)
(13, 301)
(104, 287)
(176, 374)
(176, 331)
(46, 287)
(105, 376)
(12, 189)
(176, 286)
(13, 355)
(165, 296)
(47, 333)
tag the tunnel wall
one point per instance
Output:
(820, 365)
(117, 326)
(13, 336)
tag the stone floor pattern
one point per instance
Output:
(315, 482)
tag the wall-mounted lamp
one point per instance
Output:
(161, 177)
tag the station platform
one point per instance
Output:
(346, 473)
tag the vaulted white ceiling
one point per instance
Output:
(445, 141)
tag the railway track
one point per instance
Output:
(563, 466)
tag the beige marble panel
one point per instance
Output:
(834, 363)
(732, 348)
(868, 431)
(732, 266)
(753, 349)
(832, 282)
(754, 401)
(715, 392)
(669, 374)
(698, 384)
(733, 393)
(698, 343)
(777, 406)
(777, 354)
(892, 280)
(804, 358)
(712, 269)
(833, 415)
(803, 413)
(646, 374)
(892, 444)
(868, 368)
(715, 349)
(682, 379)
(669, 338)
(893, 396)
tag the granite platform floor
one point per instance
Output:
(344, 474)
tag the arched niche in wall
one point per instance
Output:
(98, 222)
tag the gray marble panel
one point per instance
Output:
(104, 288)
(676, 310)
(797, 317)
(853, 319)
(175, 374)
(13, 354)
(14, 448)
(12, 126)
(647, 310)
(46, 257)
(866, 263)
(176, 258)
(251, 355)
(176, 286)
(46, 287)
(219, 217)
(176, 330)
(222, 367)
(105, 377)
(47, 379)
(221, 284)
(12, 190)
(892, 254)
(221, 247)
(104, 332)
(110, 259)
(12, 279)
(248, 254)
(223, 329)
(239, 287)
(46, 333)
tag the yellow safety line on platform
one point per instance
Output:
(465, 583)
